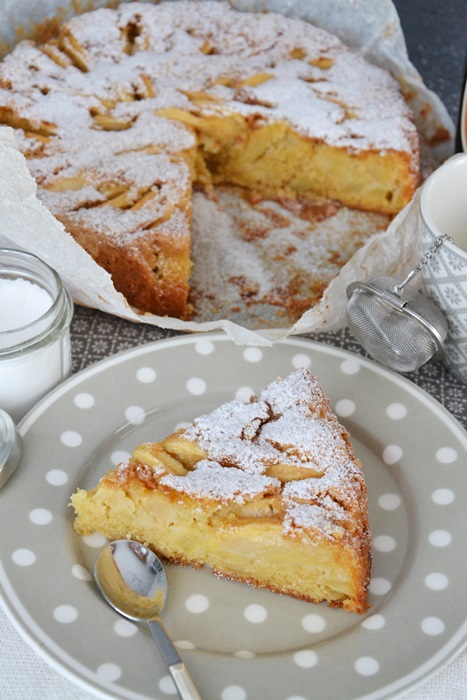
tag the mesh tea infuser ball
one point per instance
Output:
(397, 325)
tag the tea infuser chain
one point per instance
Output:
(426, 258)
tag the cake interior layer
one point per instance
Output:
(274, 159)
(233, 545)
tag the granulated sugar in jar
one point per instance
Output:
(35, 316)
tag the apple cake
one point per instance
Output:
(127, 109)
(268, 492)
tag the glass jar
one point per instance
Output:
(35, 352)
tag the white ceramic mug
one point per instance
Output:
(443, 210)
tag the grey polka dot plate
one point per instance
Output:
(240, 643)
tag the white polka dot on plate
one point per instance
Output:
(305, 658)
(84, 400)
(65, 614)
(446, 455)
(135, 415)
(146, 375)
(396, 411)
(350, 366)
(197, 603)
(119, 456)
(384, 543)
(374, 622)
(440, 538)
(95, 540)
(40, 516)
(314, 623)
(389, 501)
(345, 407)
(167, 686)
(255, 613)
(109, 673)
(432, 626)
(56, 477)
(70, 438)
(125, 628)
(366, 666)
(196, 386)
(244, 393)
(253, 355)
(392, 454)
(233, 692)
(80, 572)
(379, 586)
(301, 360)
(204, 347)
(443, 497)
(184, 644)
(23, 557)
(436, 581)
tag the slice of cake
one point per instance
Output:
(268, 492)
(131, 214)
(261, 101)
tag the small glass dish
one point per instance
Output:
(10, 447)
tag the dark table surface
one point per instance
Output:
(436, 37)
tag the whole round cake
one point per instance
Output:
(130, 108)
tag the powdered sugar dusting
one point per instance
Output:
(313, 518)
(289, 427)
(317, 441)
(220, 483)
(266, 262)
(232, 435)
(300, 391)
(134, 54)
(288, 430)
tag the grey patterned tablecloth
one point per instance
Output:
(96, 335)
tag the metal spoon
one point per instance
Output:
(133, 581)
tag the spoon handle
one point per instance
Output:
(177, 668)
(182, 680)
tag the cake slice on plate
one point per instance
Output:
(267, 491)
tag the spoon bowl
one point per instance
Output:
(132, 579)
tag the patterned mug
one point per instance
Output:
(443, 210)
